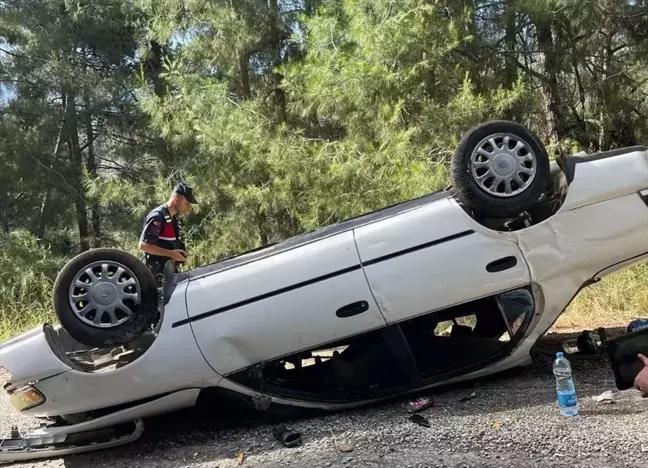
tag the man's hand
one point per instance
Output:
(178, 255)
(641, 381)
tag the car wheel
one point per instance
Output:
(499, 169)
(105, 297)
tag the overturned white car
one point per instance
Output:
(451, 286)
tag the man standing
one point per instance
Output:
(161, 237)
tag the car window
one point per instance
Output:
(355, 368)
(516, 305)
(448, 340)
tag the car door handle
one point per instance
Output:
(501, 264)
(352, 309)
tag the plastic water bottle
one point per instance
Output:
(567, 401)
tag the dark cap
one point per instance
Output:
(186, 191)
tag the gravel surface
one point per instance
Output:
(512, 422)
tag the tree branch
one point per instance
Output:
(618, 48)
(21, 56)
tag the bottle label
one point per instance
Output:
(567, 400)
(638, 324)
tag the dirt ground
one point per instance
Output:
(512, 421)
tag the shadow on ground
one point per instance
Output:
(226, 427)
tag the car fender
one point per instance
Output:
(29, 357)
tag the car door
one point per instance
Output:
(435, 256)
(280, 304)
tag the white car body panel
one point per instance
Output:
(295, 296)
(574, 246)
(604, 179)
(219, 323)
(416, 264)
(172, 363)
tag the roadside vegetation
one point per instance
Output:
(285, 116)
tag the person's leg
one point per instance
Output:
(157, 269)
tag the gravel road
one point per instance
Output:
(512, 422)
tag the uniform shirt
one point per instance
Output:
(161, 229)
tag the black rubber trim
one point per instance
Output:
(636, 257)
(418, 247)
(352, 309)
(302, 284)
(501, 264)
(644, 196)
(568, 163)
(260, 297)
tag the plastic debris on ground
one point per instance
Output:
(420, 404)
(605, 397)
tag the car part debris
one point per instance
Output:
(420, 420)
(289, 437)
(588, 342)
(36, 446)
(420, 404)
(344, 447)
(605, 397)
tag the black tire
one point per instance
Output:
(475, 198)
(142, 315)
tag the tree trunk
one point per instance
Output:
(510, 18)
(473, 50)
(76, 160)
(244, 68)
(92, 171)
(579, 132)
(275, 41)
(555, 106)
(264, 235)
(154, 67)
(44, 209)
(309, 7)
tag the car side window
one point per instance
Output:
(463, 336)
(516, 306)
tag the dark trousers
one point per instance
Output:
(157, 268)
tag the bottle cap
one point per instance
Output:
(560, 354)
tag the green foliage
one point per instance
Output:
(27, 273)
(372, 110)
